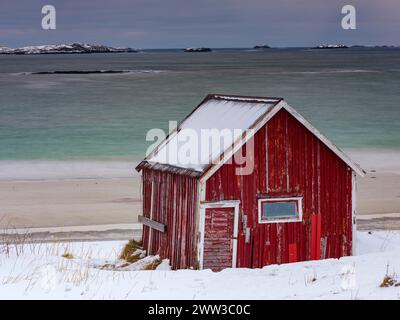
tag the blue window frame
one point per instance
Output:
(279, 210)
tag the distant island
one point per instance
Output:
(264, 46)
(197, 50)
(356, 46)
(73, 48)
(331, 46)
(386, 47)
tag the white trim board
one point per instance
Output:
(344, 157)
(228, 154)
(268, 116)
(353, 212)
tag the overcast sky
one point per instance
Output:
(211, 23)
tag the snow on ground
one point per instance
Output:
(378, 241)
(38, 271)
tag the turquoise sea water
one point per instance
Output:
(352, 96)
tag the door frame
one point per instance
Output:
(219, 204)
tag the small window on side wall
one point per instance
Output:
(273, 210)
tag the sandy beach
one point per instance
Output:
(74, 202)
(97, 200)
(379, 191)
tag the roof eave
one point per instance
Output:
(167, 168)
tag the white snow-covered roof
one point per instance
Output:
(213, 114)
(189, 148)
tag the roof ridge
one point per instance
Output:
(253, 99)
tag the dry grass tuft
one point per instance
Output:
(67, 255)
(11, 241)
(129, 252)
(152, 265)
(389, 281)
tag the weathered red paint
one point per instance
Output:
(289, 161)
(315, 237)
(218, 242)
(174, 204)
(298, 165)
(293, 252)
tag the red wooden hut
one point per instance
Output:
(298, 202)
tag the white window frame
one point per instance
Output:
(281, 220)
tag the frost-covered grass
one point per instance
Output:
(39, 271)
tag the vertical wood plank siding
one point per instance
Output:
(175, 201)
(298, 164)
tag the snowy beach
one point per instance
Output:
(74, 271)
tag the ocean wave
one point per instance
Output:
(353, 71)
(332, 71)
(83, 72)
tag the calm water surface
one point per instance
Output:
(352, 96)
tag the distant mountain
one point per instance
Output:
(64, 48)
(5, 50)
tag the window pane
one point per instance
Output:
(279, 210)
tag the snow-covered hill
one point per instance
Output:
(64, 48)
(38, 271)
(4, 50)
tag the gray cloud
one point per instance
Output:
(215, 23)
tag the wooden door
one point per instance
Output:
(219, 242)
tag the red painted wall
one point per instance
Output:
(298, 165)
(175, 200)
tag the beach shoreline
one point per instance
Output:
(63, 194)
(69, 202)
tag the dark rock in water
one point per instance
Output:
(197, 50)
(262, 47)
(81, 72)
(73, 48)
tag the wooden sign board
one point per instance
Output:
(152, 224)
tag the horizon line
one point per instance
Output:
(211, 47)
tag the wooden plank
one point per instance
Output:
(313, 237)
(151, 217)
(318, 238)
(152, 224)
(293, 252)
